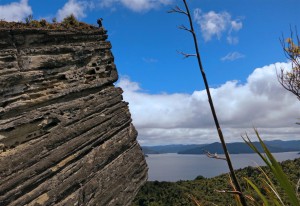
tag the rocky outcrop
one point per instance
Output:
(66, 136)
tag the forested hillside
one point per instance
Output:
(234, 147)
(204, 189)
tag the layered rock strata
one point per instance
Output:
(66, 136)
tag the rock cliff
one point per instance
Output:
(66, 136)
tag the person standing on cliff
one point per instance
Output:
(99, 22)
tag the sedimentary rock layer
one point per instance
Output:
(66, 136)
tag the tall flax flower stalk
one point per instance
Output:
(186, 12)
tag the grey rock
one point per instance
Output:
(66, 135)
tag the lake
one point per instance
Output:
(173, 167)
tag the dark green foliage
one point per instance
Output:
(200, 177)
(70, 21)
(286, 188)
(161, 193)
(204, 189)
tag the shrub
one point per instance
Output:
(70, 21)
(28, 19)
(43, 23)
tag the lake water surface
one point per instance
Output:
(174, 167)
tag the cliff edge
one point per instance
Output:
(66, 136)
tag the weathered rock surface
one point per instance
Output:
(66, 136)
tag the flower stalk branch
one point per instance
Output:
(216, 121)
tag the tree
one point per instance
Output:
(290, 80)
(236, 186)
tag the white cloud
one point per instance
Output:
(15, 11)
(232, 40)
(236, 25)
(215, 24)
(136, 5)
(150, 60)
(232, 56)
(142, 5)
(107, 3)
(77, 8)
(186, 118)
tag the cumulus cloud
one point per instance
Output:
(232, 56)
(215, 24)
(15, 11)
(186, 118)
(77, 8)
(136, 5)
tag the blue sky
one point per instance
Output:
(240, 48)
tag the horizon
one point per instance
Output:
(240, 49)
(215, 142)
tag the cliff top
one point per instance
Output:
(68, 23)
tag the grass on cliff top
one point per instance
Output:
(68, 23)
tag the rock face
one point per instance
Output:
(66, 136)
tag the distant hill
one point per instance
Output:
(147, 150)
(161, 149)
(234, 148)
(292, 144)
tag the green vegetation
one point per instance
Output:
(70, 22)
(208, 191)
(278, 174)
